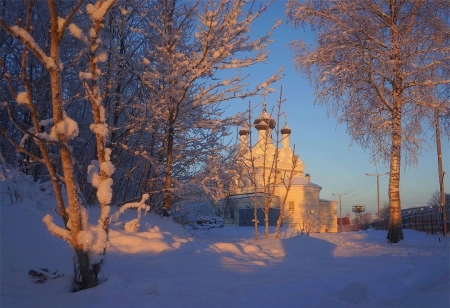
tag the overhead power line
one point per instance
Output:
(371, 185)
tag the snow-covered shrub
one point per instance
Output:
(189, 212)
(132, 225)
(206, 223)
(16, 186)
(309, 224)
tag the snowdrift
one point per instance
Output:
(167, 265)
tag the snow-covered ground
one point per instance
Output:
(166, 265)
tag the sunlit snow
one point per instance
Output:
(166, 265)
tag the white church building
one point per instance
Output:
(303, 209)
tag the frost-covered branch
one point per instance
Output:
(183, 61)
(391, 58)
(25, 37)
(56, 230)
(133, 225)
(100, 171)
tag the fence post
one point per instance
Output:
(415, 220)
(409, 219)
(431, 218)
(423, 226)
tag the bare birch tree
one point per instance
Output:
(89, 244)
(266, 176)
(261, 164)
(376, 65)
(287, 182)
(193, 41)
(435, 199)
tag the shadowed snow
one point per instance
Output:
(166, 265)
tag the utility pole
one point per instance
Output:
(441, 172)
(378, 189)
(340, 211)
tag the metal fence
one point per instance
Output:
(427, 219)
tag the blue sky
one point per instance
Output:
(323, 144)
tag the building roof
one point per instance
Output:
(247, 195)
(300, 181)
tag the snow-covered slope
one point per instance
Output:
(166, 265)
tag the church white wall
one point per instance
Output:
(241, 201)
(328, 216)
(304, 198)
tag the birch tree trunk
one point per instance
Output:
(87, 275)
(169, 162)
(100, 127)
(84, 276)
(395, 232)
(441, 173)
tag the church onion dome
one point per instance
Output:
(267, 119)
(261, 125)
(243, 131)
(264, 120)
(286, 130)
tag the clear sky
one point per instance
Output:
(323, 144)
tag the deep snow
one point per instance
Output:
(166, 265)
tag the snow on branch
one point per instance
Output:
(137, 205)
(104, 191)
(133, 225)
(28, 40)
(22, 98)
(98, 11)
(79, 34)
(100, 129)
(56, 230)
(93, 173)
(66, 127)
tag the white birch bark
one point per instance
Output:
(378, 65)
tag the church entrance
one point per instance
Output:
(246, 217)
